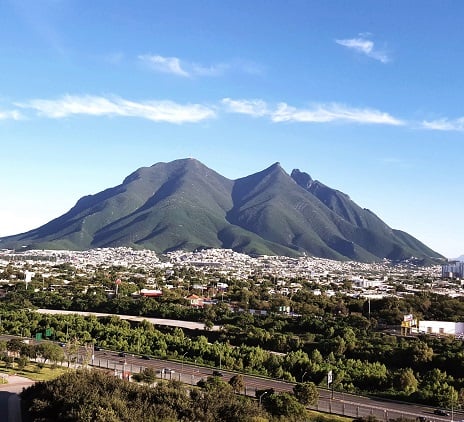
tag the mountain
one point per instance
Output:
(185, 205)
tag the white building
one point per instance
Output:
(442, 327)
(365, 284)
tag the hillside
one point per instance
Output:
(185, 205)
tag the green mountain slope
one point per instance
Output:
(185, 205)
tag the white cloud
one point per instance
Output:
(179, 67)
(158, 111)
(10, 115)
(165, 64)
(171, 112)
(321, 113)
(364, 46)
(331, 113)
(445, 124)
(256, 108)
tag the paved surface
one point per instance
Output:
(10, 409)
(157, 321)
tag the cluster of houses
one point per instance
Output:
(371, 281)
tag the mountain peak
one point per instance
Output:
(183, 204)
(302, 179)
(276, 167)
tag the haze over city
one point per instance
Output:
(362, 96)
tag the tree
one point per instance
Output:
(405, 380)
(285, 405)
(22, 362)
(209, 325)
(51, 351)
(15, 346)
(237, 383)
(306, 393)
(71, 350)
(148, 375)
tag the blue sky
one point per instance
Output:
(364, 96)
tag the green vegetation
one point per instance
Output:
(33, 371)
(363, 360)
(97, 396)
(347, 335)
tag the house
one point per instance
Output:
(195, 300)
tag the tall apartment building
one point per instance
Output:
(452, 269)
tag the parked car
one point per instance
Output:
(146, 357)
(441, 412)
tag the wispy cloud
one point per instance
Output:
(164, 64)
(256, 108)
(321, 113)
(10, 115)
(456, 125)
(172, 112)
(213, 70)
(178, 67)
(158, 111)
(331, 113)
(364, 46)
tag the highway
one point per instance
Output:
(336, 402)
(331, 402)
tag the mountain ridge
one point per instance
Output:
(185, 205)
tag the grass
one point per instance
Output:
(324, 417)
(34, 372)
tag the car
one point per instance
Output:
(97, 348)
(146, 357)
(121, 354)
(217, 374)
(441, 412)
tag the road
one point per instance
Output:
(336, 402)
(156, 321)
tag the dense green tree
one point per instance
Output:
(306, 393)
(405, 380)
(50, 352)
(285, 405)
(94, 395)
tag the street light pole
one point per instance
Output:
(302, 377)
(183, 356)
(261, 396)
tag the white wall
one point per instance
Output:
(441, 327)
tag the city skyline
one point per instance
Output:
(363, 97)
